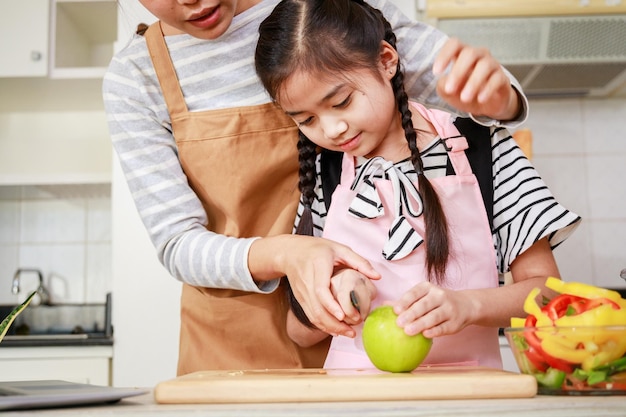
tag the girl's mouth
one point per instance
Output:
(205, 18)
(351, 144)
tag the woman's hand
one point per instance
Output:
(348, 286)
(309, 262)
(434, 311)
(476, 82)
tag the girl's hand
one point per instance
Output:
(346, 281)
(309, 262)
(342, 284)
(434, 311)
(476, 82)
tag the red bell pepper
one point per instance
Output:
(535, 343)
(562, 305)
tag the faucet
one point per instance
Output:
(44, 295)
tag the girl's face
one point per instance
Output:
(355, 112)
(204, 19)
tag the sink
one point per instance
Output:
(60, 321)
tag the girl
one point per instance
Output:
(211, 166)
(332, 65)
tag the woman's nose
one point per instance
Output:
(187, 1)
(334, 127)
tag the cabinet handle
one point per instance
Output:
(35, 56)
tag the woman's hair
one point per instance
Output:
(327, 38)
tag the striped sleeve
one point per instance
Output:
(171, 212)
(525, 210)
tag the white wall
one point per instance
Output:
(580, 150)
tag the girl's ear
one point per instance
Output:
(388, 60)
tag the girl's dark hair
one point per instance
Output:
(329, 37)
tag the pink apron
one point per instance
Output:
(472, 262)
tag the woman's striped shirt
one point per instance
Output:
(213, 74)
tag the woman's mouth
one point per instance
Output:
(205, 18)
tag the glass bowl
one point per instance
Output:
(585, 360)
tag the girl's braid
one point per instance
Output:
(437, 250)
(306, 155)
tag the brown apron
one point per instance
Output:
(243, 165)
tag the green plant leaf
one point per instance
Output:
(6, 323)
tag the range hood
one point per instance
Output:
(553, 56)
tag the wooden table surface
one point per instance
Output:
(541, 405)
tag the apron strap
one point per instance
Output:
(165, 71)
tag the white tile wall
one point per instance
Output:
(580, 151)
(65, 231)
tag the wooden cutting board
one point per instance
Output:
(312, 385)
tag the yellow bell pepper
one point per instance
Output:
(555, 347)
(531, 307)
(609, 351)
(583, 290)
(603, 315)
(518, 322)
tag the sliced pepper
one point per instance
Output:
(583, 290)
(532, 308)
(603, 315)
(517, 322)
(564, 304)
(536, 344)
(552, 378)
(553, 347)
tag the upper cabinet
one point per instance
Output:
(83, 33)
(57, 38)
(53, 127)
(24, 34)
(452, 9)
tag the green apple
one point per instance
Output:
(388, 346)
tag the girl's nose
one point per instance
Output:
(187, 1)
(334, 127)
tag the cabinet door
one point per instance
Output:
(24, 29)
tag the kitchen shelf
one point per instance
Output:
(451, 9)
(82, 37)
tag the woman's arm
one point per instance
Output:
(477, 83)
(171, 212)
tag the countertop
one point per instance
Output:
(552, 406)
(69, 340)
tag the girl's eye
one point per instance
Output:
(305, 122)
(344, 103)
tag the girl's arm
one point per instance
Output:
(435, 311)
(302, 335)
(528, 224)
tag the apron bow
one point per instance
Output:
(402, 238)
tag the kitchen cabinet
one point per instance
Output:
(492, 8)
(53, 127)
(83, 33)
(82, 364)
(57, 38)
(24, 38)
